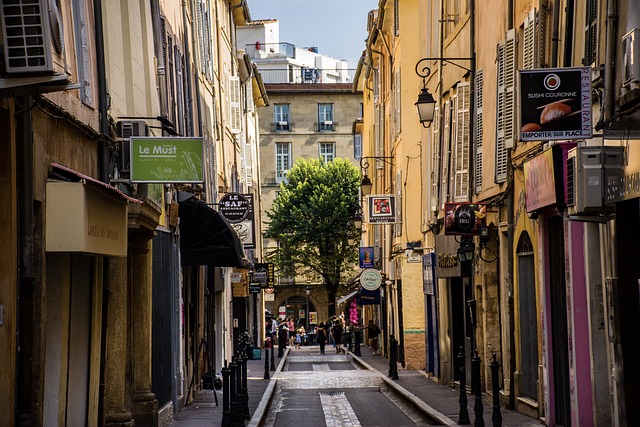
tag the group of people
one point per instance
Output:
(326, 332)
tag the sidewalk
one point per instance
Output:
(203, 410)
(437, 401)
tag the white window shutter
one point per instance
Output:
(529, 48)
(505, 104)
(541, 36)
(235, 115)
(398, 224)
(248, 158)
(435, 160)
(446, 149)
(478, 131)
(462, 143)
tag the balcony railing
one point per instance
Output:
(327, 126)
(270, 50)
(282, 127)
(305, 75)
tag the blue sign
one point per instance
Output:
(366, 257)
(367, 297)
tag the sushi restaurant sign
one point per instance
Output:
(166, 160)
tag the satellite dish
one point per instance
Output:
(57, 29)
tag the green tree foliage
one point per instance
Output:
(312, 219)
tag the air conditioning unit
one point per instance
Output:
(33, 37)
(631, 59)
(589, 171)
(124, 131)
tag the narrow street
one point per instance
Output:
(332, 390)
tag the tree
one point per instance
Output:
(312, 219)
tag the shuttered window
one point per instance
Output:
(435, 161)
(396, 18)
(248, 159)
(396, 105)
(478, 130)
(462, 140)
(590, 32)
(204, 38)
(505, 104)
(235, 114)
(397, 227)
(180, 100)
(533, 52)
(446, 149)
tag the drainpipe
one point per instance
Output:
(610, 62)
(104, 169)
(24, 154)
(510, 255)
(554, 33)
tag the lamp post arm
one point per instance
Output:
(364, 161)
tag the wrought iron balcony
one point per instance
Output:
(326, 126)
(282, 127)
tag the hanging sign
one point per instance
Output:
(370, 279)
(166, 159)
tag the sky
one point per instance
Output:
(337, 27)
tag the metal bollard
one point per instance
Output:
(282, 342)
(357, 343)
(233, 393)
(350, 339)
(463, 415)
(273, 351)
(477, 406)
(266, 360)
(245, 389)
(393, 358)
(496, 416)
(226, 402)
(239, 393)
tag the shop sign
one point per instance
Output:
(366, 257)
(464, 219)
(555, 103)
(264, 273)
(446, 254)
(234, 207)
(166, 159)
(370, 279)
(382, 209)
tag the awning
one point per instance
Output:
(206, 238)
(346, 297)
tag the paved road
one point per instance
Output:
(330, 390)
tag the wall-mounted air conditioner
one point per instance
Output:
(33, 37)
(631, 60)
(124, 131)
(589, 170)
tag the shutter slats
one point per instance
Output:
(478, 128)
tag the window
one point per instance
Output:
(478, 129)
(505, 104)
(435, 162)
(454, 11)
(283, 160)
(327, 151)
(590, 32)
(204, 38)
(325, 117)
(357, 146)
(235, 113)
(281, 117)
(83, 56)
(461, 143)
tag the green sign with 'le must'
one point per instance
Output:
(166, 160)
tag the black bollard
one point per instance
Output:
(496, 416)
(239, 393)
(350, 338)
(282, 342)
(393, 358)
(245, 389)
(357, 343)
(233, 393)
(273, 353)
(477, 406)
(266, 360)
(463, 415)
(226, 402)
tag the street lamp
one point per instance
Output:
(366, 185)
(466, 250)
(426, 104)
(357, 222)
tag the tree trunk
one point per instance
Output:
(331, 294)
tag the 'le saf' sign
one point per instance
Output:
(166, 160)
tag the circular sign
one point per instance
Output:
(234, 207)
(370, 279)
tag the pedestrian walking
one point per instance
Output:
(292, 332)
(372, 335)
(322, 337)
(337, 335)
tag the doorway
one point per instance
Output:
(459, 293)
(528, 321)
